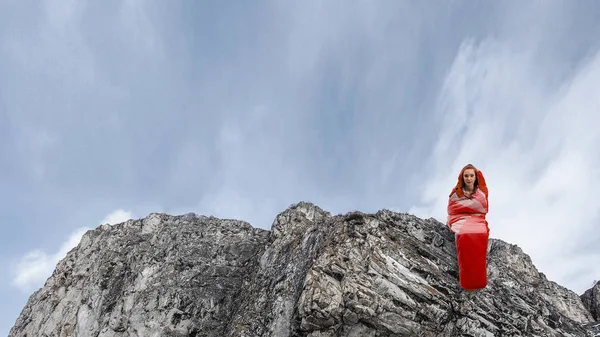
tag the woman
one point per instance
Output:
(467, 209)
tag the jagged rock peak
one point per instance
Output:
(311, 275)
(591, 300)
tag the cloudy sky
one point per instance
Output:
(111, 110)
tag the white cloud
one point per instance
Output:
(35, 267)
(31, 271)
(116, 217)
(537, 146)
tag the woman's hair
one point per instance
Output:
(462, 172)
(460, 183)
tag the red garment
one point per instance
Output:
(466, 218)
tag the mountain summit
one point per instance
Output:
(313, 274)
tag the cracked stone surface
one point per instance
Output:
(313, 274)
(591, 300)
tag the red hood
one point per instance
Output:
(480, 182)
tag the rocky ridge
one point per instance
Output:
(591, 300)
(313, 274)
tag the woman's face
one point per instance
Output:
(469, 177)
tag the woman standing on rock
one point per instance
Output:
(467, 209)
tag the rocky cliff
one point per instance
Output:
(313, 274)
(591, 300)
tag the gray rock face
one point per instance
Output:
(591, 300)
(313, 275)
(160, 276)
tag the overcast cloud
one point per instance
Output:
(111, 110)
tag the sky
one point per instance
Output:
(112, 110)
